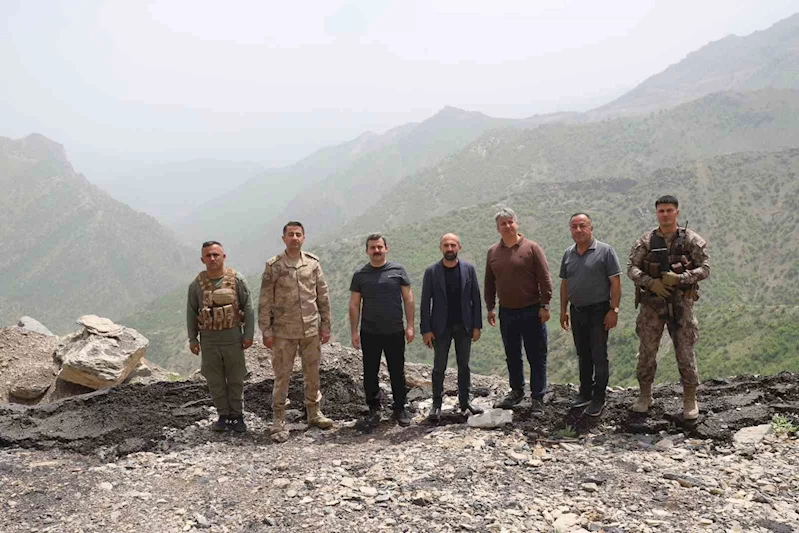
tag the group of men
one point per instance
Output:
(294, 315)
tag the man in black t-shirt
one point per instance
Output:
(379, 291)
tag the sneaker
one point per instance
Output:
(237, 424)
(374, 415)
(580, 401)
(536, 406)
(511, 399)
(435, 414)
(402, 418)
(595, 407)
(221, 424)
(468, 407)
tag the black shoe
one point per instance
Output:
(473, 409)
(435, 414)
(512, 398)
(595, 407)
(402, 418)
(536, 406)
(221, 424)
(373, 418)
(581, 401)
(237, 424)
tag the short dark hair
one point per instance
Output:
(577, 214)
(206, 244)
(667, 199)
(293, 223)
(376, 237)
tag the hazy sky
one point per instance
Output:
(121, 82)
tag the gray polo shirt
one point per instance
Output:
(588, 276)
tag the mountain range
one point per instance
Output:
(719, 130)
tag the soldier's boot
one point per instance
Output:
(316, 418)
(278, 430)
(690, 410)
(644, 400)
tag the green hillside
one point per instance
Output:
(511, 161)
(744, 204)
(70, 249)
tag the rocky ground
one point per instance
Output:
(142, 458)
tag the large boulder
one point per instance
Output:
(31, 324)
(102, 355)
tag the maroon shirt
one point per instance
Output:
(519, 275)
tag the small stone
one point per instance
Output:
(369, 491)
(106, 486)
(664, 444)
(705, 521)
(589, 487)
(281, 483)
(201, 520)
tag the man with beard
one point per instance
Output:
(451, 310)
(383, 288)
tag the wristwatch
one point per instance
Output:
(616, 310)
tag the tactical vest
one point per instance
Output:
(220, 307)
(662, 259)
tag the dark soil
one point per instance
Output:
(133, 417)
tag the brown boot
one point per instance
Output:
(690, 410)
(644, 400)
(316, 418)
(278, 430)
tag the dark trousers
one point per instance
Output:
(373, 346)
(517, 325)
(463, 349)
(591, 342)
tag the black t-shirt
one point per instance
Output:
(452, 277)
(382, 297)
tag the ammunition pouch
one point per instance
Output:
(220, 306)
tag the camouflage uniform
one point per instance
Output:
(654, 310)
(294, 307)
(222, 357)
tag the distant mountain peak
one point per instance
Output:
(37, 146)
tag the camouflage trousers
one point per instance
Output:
(283, 354)
(649, 327)
(224, 369)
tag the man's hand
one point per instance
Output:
(492, 318)
(476, 335)
(269, 341)
(409, 334)
(356, 341)
(246, 344)
(324, 335)
(659, 288)
(564, 321)
(543, 315)
(611, 319)
(670, 279)
(428, 338)
(194, 347)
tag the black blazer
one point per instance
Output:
(434, 290)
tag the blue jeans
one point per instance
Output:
(517, 325)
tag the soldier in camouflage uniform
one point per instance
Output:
(294, 314)
(667, 264)
(219, 309)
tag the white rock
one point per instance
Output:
(100, 362)
(751, 435)
(31, 324)
(566, 521)
(491, 418)
(105, 485)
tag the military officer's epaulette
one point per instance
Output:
(275, 259)
(312, 256)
